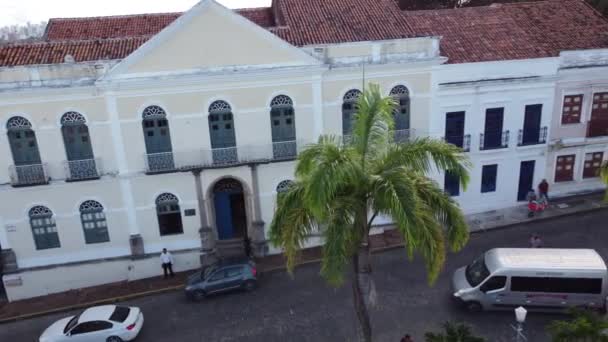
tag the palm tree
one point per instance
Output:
(340, 188)
(458, 332)
(585, 326)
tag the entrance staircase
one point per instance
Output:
(230, 248)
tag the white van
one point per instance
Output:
(542, 279)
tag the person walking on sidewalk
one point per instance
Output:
(167, 261)
(531, 198)
(535, 241)
(543, 190)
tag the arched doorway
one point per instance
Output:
(230, 211)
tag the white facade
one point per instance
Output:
(184, 80)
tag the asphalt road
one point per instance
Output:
(304, 308)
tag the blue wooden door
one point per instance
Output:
(493, 128)
(221, 127)
(402, 113)
(157, 135)
(77, 142)
(526, 179)
(24, 147)
(223, 216)
(454, 128)
(531, 131)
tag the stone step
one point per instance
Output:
(230, 248)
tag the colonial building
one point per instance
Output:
(125, 135)
(579, 139)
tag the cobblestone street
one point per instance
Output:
(304, 308)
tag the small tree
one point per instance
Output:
(585, 326)
(453, 332)
(342, 186)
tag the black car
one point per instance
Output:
(225, 275)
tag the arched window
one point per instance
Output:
(169, 214)
(402, 110)
(221, 130)
(24, 147)
(44, 228)
(349, 108)
(158, 139)
(94, 222)
(282, 120)
(284, 186)
(81, 163)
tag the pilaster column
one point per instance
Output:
(135, 240)
(258, 235)
(208, 252)
(317, 105)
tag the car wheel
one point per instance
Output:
(198, 295)
(473, 306)
(250, 285)
(114, 339)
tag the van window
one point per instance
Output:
(558, 285)
(494, 283)
(477, 271)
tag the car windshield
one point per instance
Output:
(72, 323)
(207, 271)
(477, 271)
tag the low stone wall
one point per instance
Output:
(42, 281)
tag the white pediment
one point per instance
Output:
(210, 37)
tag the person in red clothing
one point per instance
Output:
(543, 189)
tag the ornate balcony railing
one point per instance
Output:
(399, 136)
(159, 162)
(284, 149)
(462, 141)
(222, 157)
(494, 140)
(24, 175)
(225, 156)
(532, 137)
(78, 170)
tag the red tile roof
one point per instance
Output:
(122, 26)
(513, 31)
(499, 32)
(81, 50)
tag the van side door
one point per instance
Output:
(494, 290)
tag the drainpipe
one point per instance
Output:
(208, 252)
(258, 236)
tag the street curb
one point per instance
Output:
(97, 302)
(540, 219)
(270, 270)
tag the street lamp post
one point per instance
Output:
(520, 317)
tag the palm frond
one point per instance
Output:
(373, 122)
(393, 194)
(422, 155)
(326, 169)
(292, 223)
(341, 239)
(445, 210)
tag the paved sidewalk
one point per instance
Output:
(121, 291)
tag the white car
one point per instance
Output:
(107, 323)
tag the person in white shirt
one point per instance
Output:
(167, 261)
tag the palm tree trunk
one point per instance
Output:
(363, 290)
